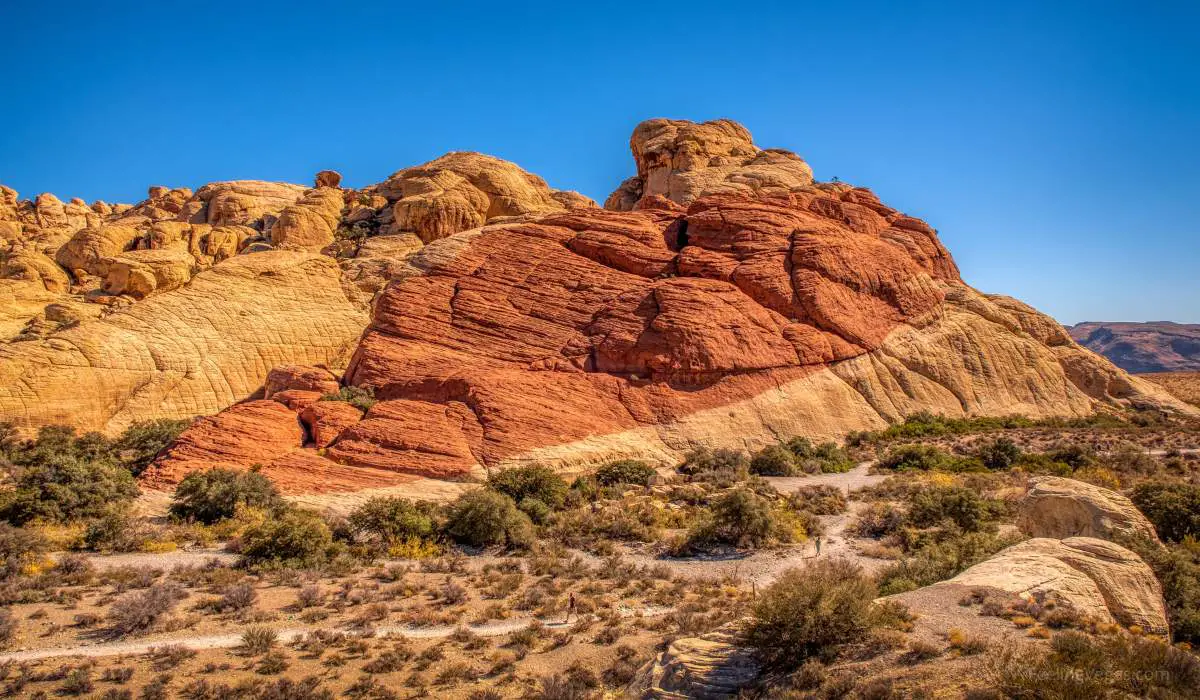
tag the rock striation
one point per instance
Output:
(1061, 508)
(712, 666)
(722, 298)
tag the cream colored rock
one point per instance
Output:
(683, 160)
(1060, 508)
(187, 352)
(246, 201)
(224, 242)
(90, 246)
(30, 264)
(140, 273)
(378, 260)
(310, 223)
(1099, 579)
(711, 666)
(461, 191)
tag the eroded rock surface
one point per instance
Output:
(1060, 508)
(711, 667)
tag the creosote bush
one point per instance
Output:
(483, 517)
(389, 522)
(359, 397)
(625, 471)
(1173, 508)
(809, 612)
(537, 490)
(139, 610)
(213, 495)
(291, 537)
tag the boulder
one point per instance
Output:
(88, 247)
(328, 178)
(140, 273)
(28, 263)
(461, 191)
(682, 161)
(310, 223)
(1097, 578)
(300, 377)
(710, 667)
(326, 420)
(1061, 508)
(246, 202)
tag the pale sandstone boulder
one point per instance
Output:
(310, 223)
(1060, 508)
(140, 273)
(1099, 579)
(461, 191)
(223, 242)
(87, 248)
(245, 202)
(28, 263)
(187, 352)
(710, 667)
(682, 160)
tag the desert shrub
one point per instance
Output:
(625, 471)
(822, 499)
(141, 442)
(1073, 455)
(8, 627)
(773, 460)
(293, 537)
(917, 458)
(722, 467)
(536, 489)
(742, 518)
(78, 681)
(925, 424)
(1177, 567)
(825, 458)
(1173, 508)
(1130, 459)
(878, 520)
(214, 494)
(18, 549)
(238, 596)
(483, 517)
(359, 397)
(258, 640)
(60, 477)
(810, 611)
(391, 521)
(636, 521)
(945, 555)
(1001, 453)
(114, 531)
(962, 506)
(1085, 666)
(138, 610)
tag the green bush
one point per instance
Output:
(390, 521)
(878, 520)
(18, 548)
(822, 499)
(1079, 665)
(359, 397)
(213, 495)
(115, 531)
(1001, 453)
(483, 517)
(291, 537)
(143, 441)
(1173, 508)
(721, 467)
(626, 471)
(917, 458)
(773, 460)
(60, 477)
(1177, 567)
(809, 612)
(742, 518)
(536, 482)
(959, 505)
(1073, 455)
(825, 458)
(943, 555)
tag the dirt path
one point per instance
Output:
(164, 560)
(288, 635)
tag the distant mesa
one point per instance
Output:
(1160, 346)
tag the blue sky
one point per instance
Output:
(1055, 145)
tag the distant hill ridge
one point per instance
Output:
(1153, 346)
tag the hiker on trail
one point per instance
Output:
(570, 608)
(818, 545)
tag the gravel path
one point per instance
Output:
(288, 635)
(164, 560)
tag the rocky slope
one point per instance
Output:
(1143, 347)
(723, 298)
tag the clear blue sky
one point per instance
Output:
(1055, 145)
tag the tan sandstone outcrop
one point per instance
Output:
(310, 223)
(187, 352)
(754, 313)
(682, 161)
(1097, 578)
(85, 252)
(246, 202)
(461, 191)
(1060, 508)
(140, 273)
(709, 667)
